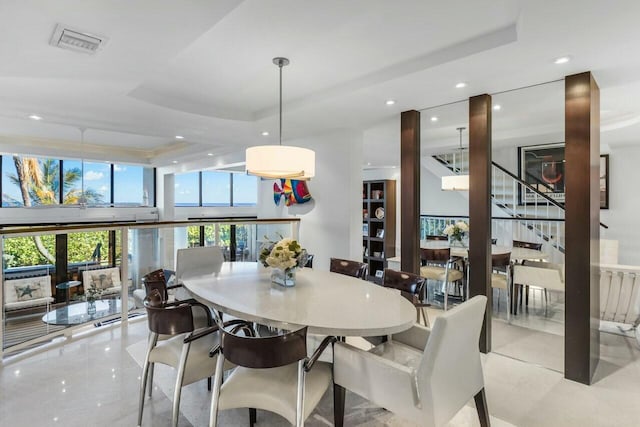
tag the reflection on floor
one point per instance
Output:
(94, 381)
(535, 334)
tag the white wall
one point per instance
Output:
(331, 223)
(624, 203)
(434, 201)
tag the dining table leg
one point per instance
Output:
(339, 394)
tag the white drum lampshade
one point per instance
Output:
(455, 183)
(280, 161)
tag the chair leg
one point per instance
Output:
(253, 416)
(209, 384)
(143, 385)
(217, 382)
(300, 396)
(179, 378)
(339, 394)
(153, 340)
(424, 316)
(151, 370)
(481, 406)
(446, 295)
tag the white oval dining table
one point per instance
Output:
(327, 303)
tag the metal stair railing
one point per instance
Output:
(519, 199)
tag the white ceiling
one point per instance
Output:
(202, 69)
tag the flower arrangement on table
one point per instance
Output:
(283, 257)
(456, 231)
(92, 294)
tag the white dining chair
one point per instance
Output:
(424, 375)
(198, 261)
(546, 276)
(182, 347)
(273, 374)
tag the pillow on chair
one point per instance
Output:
(29, 291)
(101, 280)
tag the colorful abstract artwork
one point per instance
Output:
(293, 191)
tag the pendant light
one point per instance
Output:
(280, 161)
(456, 182)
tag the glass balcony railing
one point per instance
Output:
(56, 279)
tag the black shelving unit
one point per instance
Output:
(376, 248)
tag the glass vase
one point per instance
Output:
(91, 308)
(458, 241)
(286, 278)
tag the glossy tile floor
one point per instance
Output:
(94, 382)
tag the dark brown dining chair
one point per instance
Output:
(527, 245)
(157, 280)
(186, 349)
(412, 287)
(272, 374)
(501, 277)
(439, 265)
(349, 268)
(440, 238)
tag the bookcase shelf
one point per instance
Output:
(379, 234)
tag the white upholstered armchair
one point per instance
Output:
(424, 375)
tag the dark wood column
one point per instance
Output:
(480, 207)
(61, 266)
(410, 194)
(582, 227)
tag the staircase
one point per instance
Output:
(521, 212)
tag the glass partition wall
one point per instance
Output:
(445, 153)
(59, 279)
(528, 210)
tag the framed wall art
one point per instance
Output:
(542, 167)
(604, 181)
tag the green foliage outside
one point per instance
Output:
(22, 251)
(80, 246)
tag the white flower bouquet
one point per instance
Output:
(284, 254)
(456, 231)
(283, 257)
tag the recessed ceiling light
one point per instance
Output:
(34, 117)
(434, 118)
(390, 102)
(562, 60)
(179, 137)
(497, 107)
(461, 85)
(209, 154)
(265, 133)
(368, 163)
(174, 162)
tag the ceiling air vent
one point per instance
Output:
(73, 39)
